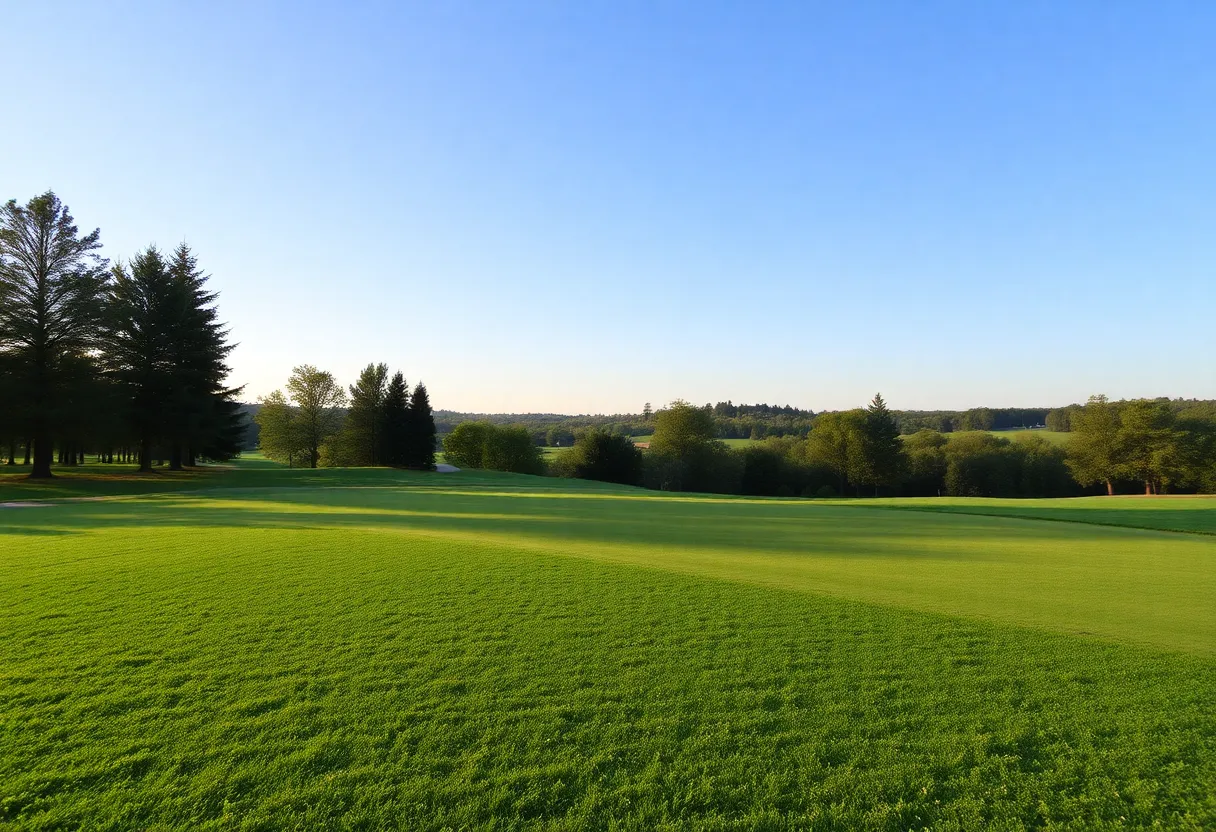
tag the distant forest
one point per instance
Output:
(760, 421)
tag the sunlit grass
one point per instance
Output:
(271, 649)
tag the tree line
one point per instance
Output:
(758, 421)
(316, 424)
(1148, 445)
(127, 361)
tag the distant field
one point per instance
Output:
(1054, 436)
(264, 648)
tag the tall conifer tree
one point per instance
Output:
(137, 352)
(202, 413)
(882, 448)
(396, 422)
(52, 284)
(363, 435)
(421, 432)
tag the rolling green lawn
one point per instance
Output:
(263, 648)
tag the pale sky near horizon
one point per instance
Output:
(582, 207)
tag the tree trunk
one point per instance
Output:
(44, 453)
(1148, 488)
(312, 457)
(175, 458)
(145, 456)
(80, 455)
(1110, 489)
(29, 443)
(12, 452)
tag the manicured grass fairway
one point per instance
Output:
(274, 649)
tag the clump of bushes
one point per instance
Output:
(600, 455)
(483, 445)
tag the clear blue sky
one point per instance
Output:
(584, 206)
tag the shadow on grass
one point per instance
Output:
(768, 529)
(38, 531)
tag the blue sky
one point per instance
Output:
(582, 207)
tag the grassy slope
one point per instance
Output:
(431, 651)
(1173, 513)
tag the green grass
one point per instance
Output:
(1055, 437)
(364, 649)
(1182, 513)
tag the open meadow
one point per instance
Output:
(256, 647)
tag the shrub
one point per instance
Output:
(600, 455)
(482, 445)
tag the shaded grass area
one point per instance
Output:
(366, 649)
(122, 480)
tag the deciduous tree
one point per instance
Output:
(835, 442)
(317, 399)
(607, 457)
(1094, 454)
(279, 434)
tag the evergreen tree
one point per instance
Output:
(52, 285)
(396, 422)
(202, 412)
(167, 350)
(363, 436)
(420, 437)
(882, 449)
(137, 351)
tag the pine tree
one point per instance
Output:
(362, 438)
(882, 448)
(137, 352)
(167, 350)
(52, 286)
(202, 412)
(421, 431)
(396, 422)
